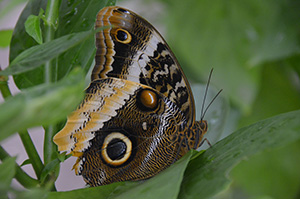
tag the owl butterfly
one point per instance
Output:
(138, 115)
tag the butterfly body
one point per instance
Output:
(138, 114)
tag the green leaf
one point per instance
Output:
(265, 173)
(7, 172)
(102, 192)
(5, 37)
(63, 156)
(74, 16)
(26, 162)
(49, 168)
(164, 185)
(41, 105)
(208, 174)
(33, 28)
(35, 193)
(277, 90)
(35, 56)
(234, 39)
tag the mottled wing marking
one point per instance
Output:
(147, 59)
(100, 104)
(113, 58)
(162, 72)
(155, 147)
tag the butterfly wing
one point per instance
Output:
(131, 48)
(137, 117)
(119, 136)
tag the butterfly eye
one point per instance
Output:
(147, 99)
(116, 149)
(203, 125)
(123, 36)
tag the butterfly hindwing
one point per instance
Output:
(113, 110)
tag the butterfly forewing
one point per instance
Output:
(131, 48)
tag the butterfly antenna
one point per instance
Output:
(205, 94)
(211, 103)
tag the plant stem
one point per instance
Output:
(51, 17)
(32, 153)
(4, 86)
(22, 177)
(49, 147)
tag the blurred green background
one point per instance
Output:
(253, 46)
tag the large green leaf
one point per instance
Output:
(234, 38)
(264, 174)
(35, 56)
(41, 105)
(21, 41)
(74, 16)
(7, 172)
(207, 173)
(277, 94)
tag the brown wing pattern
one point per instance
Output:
(137, 117)
(112, 109)
(133, 49)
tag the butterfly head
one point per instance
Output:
(199, 129)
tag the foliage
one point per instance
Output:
(254, 50)
(253, 47)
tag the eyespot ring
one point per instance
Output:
(147, 99)
(106, 146)
(123, 36)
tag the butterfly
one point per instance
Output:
(138, 114)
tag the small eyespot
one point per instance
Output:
(147, 99)
(116, 149)
(123, 36)
(123, 10)
(144, 126)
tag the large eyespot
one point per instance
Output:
(116, 149)
(123, 36)
(147, 99)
